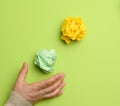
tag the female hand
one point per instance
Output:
(37, 91)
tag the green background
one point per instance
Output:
(92, 66)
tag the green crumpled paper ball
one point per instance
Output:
(45, 60)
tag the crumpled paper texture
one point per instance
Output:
(45, 60)
(72, 29)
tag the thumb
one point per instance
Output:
(23, 73)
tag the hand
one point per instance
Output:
(37, 91)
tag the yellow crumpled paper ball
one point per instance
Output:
(72, 29)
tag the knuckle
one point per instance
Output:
(30, 98)
(34, 89)
(45, 92)
(51, 90)
(32, 95)
(48, 82)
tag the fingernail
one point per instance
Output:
(62, 75)
(24, 64)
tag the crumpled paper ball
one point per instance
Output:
(72, 29)
(45, 60)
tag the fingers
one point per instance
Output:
(55, 89)
(23, 73)
(46, 83)
(55, 93)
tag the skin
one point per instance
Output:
(38, 91)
